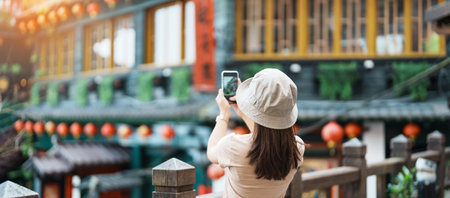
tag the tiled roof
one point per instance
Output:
(67, 157)
(113, 181)
(356, 110)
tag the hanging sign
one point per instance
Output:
(204, 72)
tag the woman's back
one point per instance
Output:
(241, 180)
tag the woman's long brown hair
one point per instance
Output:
(274, 152)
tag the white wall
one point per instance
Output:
(374, 138)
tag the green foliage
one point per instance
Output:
(406, 70)
(16, 68)
(336, 80)
(253, 68)
(3, 68)
(180, 84)
(145, 86)
(106, 90)
(35, 95)
(81, 90)
(52, 94)
(403, 186)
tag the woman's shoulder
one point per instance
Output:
(300, 143)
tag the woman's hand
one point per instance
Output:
(223, 104)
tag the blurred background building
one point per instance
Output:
(79, 70)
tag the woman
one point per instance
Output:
(264, 162)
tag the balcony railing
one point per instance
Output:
(175, 178)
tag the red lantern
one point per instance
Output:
(28, 126)
(18, 125)
(411, 130)
(31, 26)
(90, 129)
(93, 9)
(38, 128)
(63, 13)
(108, 130)
(332, 133)
(41, 20)
(52, 17)
(62, 129)
(78, 10)
(241, 130)
(144, 131)
(124, 131)
(50, 127)
(203, 189)
(76, 129)
(111, 3)
(23, 27)
(214, 171)
(167, 132)
(352, 130)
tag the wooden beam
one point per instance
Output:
(371, 26)
(269, 27)
(337, 34)
(330, 177)
(183, 25)
(302, 26)
(408, 25)
(150, 45)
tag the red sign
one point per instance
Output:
(204, 67)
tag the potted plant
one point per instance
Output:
(404, 185)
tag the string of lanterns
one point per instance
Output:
(30, 24)
(107, 130)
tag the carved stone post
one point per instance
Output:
(354, 152)
(295, 187)
(174, 179)
(436, 142)
(10, 189)
(401, 147)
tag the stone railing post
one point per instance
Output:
(295, 187)
(401, 147)
(354, 152)
(436, 142)
(174, 179)
(10, 189)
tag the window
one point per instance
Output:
(320, 26)
(110, 44)
(56, 55)
(353, 26)
(423, 37)
(390, 37)
(171, 34)
(253, 25)
(285, 26)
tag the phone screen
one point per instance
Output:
(230, 84)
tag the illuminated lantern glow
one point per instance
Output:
(90, 129)
(38, 128)
(50, 128)
(332, 133)
(62, 129)
(144, 131)
(411, 130)
(31, 26)
(124, 131)
(111, 3)
(18, 125)
(108, 130)
(352, 130)
(203, 189)
(214, 171)
(76, 129)
(63, 13)
(241, 130)
(167, 132)
(23, 27)
(28, 126)
(41, 19)
(93, 9)
(78, 10)
(52, 17)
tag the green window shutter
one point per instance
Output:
(336, 80)
(52, 94)
(34, 97)
(406, 70)
(106, 90)
(180, 84)
(81, 92)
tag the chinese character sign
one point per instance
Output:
(204, 67)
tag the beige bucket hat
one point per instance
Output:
(269, 99)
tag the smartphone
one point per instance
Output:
(229, 84)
